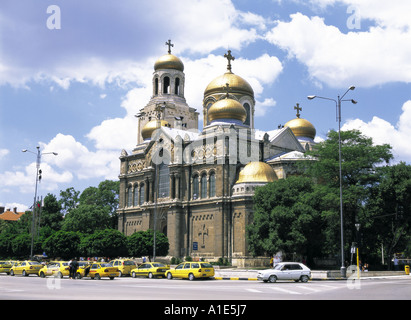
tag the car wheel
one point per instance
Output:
(169, 276)
(191, 277)
(60, 275)
(120, 274)
(78, 275)
(272, 278)
(12, 273)
(42, 275)
(97, 277)
(24, 274)
(150, 275)
(133, 274)
(304, 278)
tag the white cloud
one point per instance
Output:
(367, 58)
(79, 161)
(25, 179)
(384, 132)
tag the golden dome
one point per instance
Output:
(151, 126)
(169, 61)
(236, 84)
(257, 171)
(227, 109)
(301, 128)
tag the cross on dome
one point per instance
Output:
(169, 44)
(229, 58)
(298, 108)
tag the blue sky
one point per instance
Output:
(74, 73)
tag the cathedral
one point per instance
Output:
(196, 186)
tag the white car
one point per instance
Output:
(285, 271)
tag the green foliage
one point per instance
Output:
(64, 244)
(302, 215)
(104, 243)
(141, 244)
(87, 218)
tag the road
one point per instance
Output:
(127, 288)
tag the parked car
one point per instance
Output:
(26, 268)
(55, 268)
(124, 266)
(150, 269)
(191, 271)
(99, 270)
(5, 267)
(285, 271)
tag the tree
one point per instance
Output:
(87, 218)
(360, 162)
(389, 212)
(285, 219)
(51, 215)
(69, 199)
(104, 243)
(64, 244)
(141, 244)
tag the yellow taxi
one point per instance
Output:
(124, 266)
(99, 270)
(150, 270)
(26, 268)
(5, 267)
(191, 271)
(55, 268)
(83, 269)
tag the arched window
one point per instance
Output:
(212, 184)
(142, 194)
(204, 186)
(166, 85)
(195, 187)
(129, 196)
(156, 86)
(177, 86)
(248, 110)
(164, 181)
(135, 196)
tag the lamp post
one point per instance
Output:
(357, 226)
(38, 178)
(338, 115)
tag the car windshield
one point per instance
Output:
(32, 263)
(278, 266)
(129, 263)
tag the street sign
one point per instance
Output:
(195, 246)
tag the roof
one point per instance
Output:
(11, 215)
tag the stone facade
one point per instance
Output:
(191, 185)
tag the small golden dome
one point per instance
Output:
(257, 171)
(236, 84)
(301, 128)
(169, 61)
(227, 109)
(151, 126)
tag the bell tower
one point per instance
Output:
(168, 96)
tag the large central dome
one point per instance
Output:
(236, 83)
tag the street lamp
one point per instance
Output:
(338, 114)
(38, 178)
